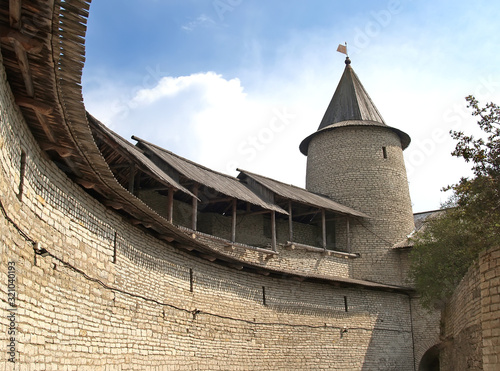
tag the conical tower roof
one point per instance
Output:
(351, 106)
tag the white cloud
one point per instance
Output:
(201, 21)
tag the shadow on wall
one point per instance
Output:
(390, 347)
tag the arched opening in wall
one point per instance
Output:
(430, 360)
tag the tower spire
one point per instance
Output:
(351, 106)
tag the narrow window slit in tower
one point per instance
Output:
(345, 304)
(191, 287)
(22, 173)
(264, 295)
(384, 152)
(114, 247)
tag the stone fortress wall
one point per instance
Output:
(107, 293)
(470, 329)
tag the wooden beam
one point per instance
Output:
(62, 151)
(290, 221)
(35, 105)
(114, 204)
(233, 221)
(209, 257)
(131, 177)
(167, 237)
(257, 212)
(323, 228)
(222, 199)
(170, 204)
(28, 43)
(15, 14)
(24, 65)
(273, 230)
(194, 212)
(45, 126)
(85, 183)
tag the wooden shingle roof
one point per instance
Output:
(301, 195)
(135, 154)
(351, 106)
(222, 183)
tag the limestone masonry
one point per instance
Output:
(120, 256)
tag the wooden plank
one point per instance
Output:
(15, 14)
(323, 228)
(194, 213)
(170, 205)
(273, 230)
(290, 221)
(233, 221)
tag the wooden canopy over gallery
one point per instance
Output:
(148, 167)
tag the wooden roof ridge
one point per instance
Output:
(134, 137)
(312, 200)
(137, 154)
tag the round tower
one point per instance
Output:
(357, 160)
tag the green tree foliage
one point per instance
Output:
(451, 241)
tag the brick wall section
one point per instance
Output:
(347, 164)
(461, 332)
(112, 296)
(471, 319)
(489, 265)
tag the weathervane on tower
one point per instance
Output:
(343, 49)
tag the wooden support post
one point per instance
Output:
(170, 204)
(194, 215)
(348, 236)
(290, 221)
(233, 221)
(131, 178)
(273, 230)
(323, 227)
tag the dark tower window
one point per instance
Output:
(22, 174)
(384, 152)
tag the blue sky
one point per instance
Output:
(239, 83)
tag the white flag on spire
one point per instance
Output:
(342, 49)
